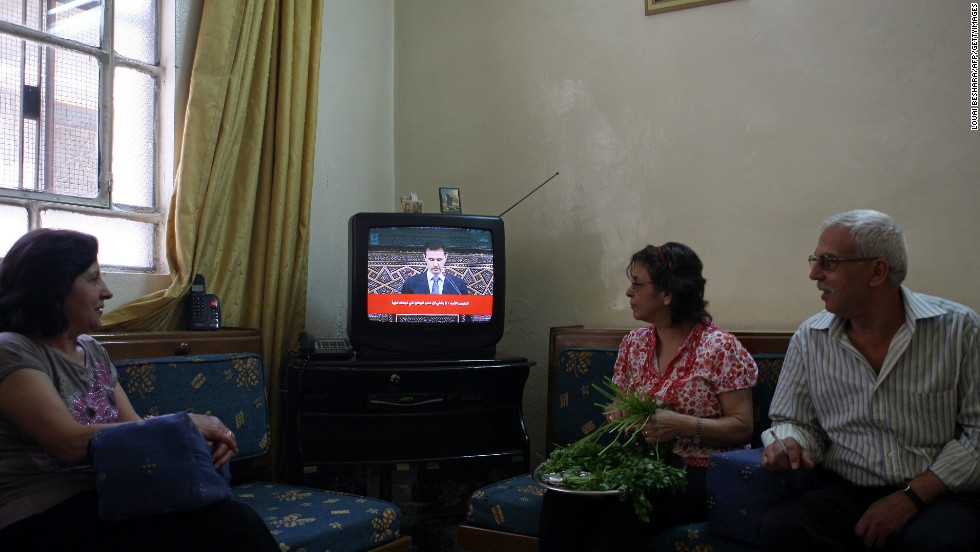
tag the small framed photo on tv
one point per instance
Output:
(449, 201)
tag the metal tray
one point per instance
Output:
(552, 485)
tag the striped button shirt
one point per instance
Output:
(921, 411)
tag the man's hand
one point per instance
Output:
(883, 518)
(785, 454)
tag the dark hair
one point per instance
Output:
(676, 269)
(435, 245)
(36, 276)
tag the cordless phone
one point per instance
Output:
(202, 310)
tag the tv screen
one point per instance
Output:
(426, 285)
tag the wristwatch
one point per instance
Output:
(697, 433)
(914, 497)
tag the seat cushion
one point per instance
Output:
(691, 537)
(512, 505)
(740, 491)
(232, 387)
(302, 518)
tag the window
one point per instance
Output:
(83, 94)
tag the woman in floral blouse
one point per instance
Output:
(701, 372)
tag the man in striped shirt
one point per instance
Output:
(882, 390)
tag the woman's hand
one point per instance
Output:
(613, 412)
(732, 428)
(665, 425)
(222, 440)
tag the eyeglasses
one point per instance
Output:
(829, 262)
(636, 284)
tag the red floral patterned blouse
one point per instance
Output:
(711, 361)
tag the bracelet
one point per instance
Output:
(914, 497)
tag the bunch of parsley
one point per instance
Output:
(625, 463)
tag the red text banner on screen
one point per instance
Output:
(410, 303)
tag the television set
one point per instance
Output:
(393, 312)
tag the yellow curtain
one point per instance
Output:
(240, 211)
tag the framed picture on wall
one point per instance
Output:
(449, 201)
(660, 6)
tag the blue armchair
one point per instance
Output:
(503, 517)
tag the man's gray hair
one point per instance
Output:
(875, 234)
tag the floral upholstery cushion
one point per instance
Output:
(576, 413)
(765, 386)
(740, 491)
(512, 505)
(155, 466)
(232, 387)
(314, 519)
(693, 537)
(229, 386)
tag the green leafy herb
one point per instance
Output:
(625, 464)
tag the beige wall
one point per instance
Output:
(735, 128)
(354, 149)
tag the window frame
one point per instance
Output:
(164, 75)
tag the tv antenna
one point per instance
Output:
(529, 194)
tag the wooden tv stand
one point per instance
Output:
(421, 433)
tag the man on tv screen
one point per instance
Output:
(435, 279)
